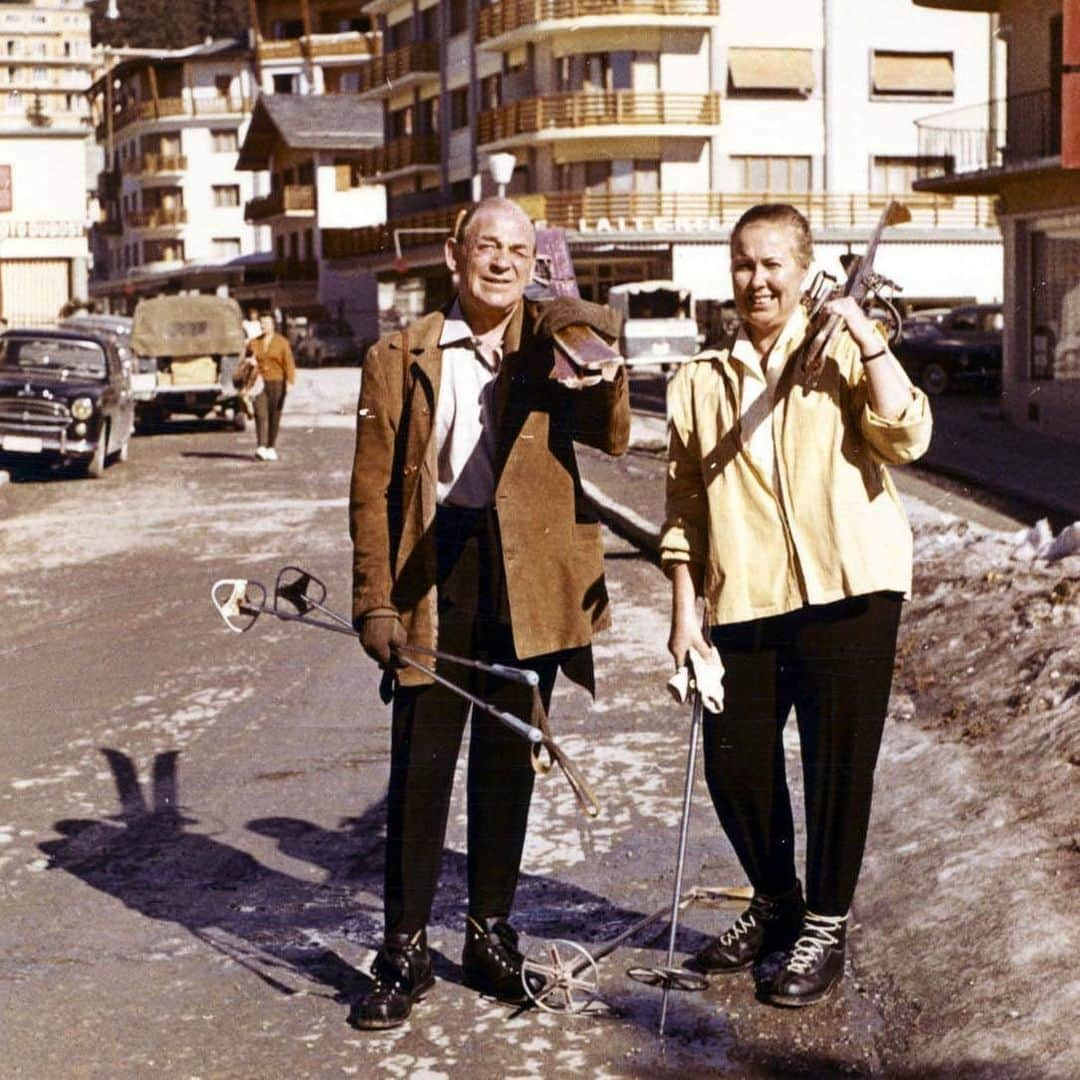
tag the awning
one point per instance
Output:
(771, 69)
(912, 73)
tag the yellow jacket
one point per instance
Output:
(833, 528)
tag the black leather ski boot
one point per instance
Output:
(816, 963)
(770, 924)
(402, 972)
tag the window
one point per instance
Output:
(400, 123)
(429, 23)
(892, 174)
(285, 84)
(223, 84)
(490, 92)
(429, 116)
(789, 175)
(911, 74)
(619, 70)
(459, 108)
(459, 16)
(399, 35)
(225, 195)
(1055, 305)
(770, 72)
(223, 141)
(225, 247)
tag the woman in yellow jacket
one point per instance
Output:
(782, 516)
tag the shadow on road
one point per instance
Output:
(218, 454)
(273, 924)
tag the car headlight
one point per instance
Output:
(82, 408)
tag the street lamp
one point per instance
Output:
(501, 167)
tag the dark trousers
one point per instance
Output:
(428, 723)
(833, 663)
(268, 406)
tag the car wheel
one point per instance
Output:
(934, 378)
(95, 467)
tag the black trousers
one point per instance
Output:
(428, 723)
(268, 406)
(833, 663)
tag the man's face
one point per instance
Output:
(766, 276)
(494, 261)
(266, 324)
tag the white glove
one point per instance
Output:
(702, 673)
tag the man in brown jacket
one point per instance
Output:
(471, 535)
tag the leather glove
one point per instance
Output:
(565, 311)
(380, 631)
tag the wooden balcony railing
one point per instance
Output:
(693, 214)
(419, 58)
(156, 163)
(663, 210)
(413, 150)
(160, 217)
(296, 269)
(352, 43)
(582, 109)
(379, 239)
(293, 198)
(163, 108)
(506, 16)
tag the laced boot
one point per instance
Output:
(816, 963)
(768, 925)
(491, 960)
(402, 973)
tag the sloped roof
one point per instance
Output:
(313, 122)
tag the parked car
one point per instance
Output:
(328, 343)
(65, 395)
(192, 344)
(962, 347)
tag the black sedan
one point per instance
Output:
(962, 347)
(64, 396)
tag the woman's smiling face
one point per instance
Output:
(766, 276)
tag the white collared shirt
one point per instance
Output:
(757, 392)
(464, 414)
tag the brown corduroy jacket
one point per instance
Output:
(551, 545)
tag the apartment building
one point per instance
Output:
(44, 72)
(1023, 149)
(645, 127)
(170, 123)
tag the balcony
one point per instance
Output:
(693, 215)
(156, 164)
(415, 230)
(290, 199)
(295, 270)
(320, 47)
(512, 22)
(109, 184)
(978, 144)
(401, 68)
(666, 211)
(169, 108)
(568, 115)
(412, 154)
(161, 217)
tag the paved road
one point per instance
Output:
(191, 820)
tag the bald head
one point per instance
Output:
(492, 253)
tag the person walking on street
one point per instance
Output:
(466, 509)
(277, 367)
(782, 516)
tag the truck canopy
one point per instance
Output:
(180, 326)
(651, 300)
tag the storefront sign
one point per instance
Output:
(12, 230)
(652, 224)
